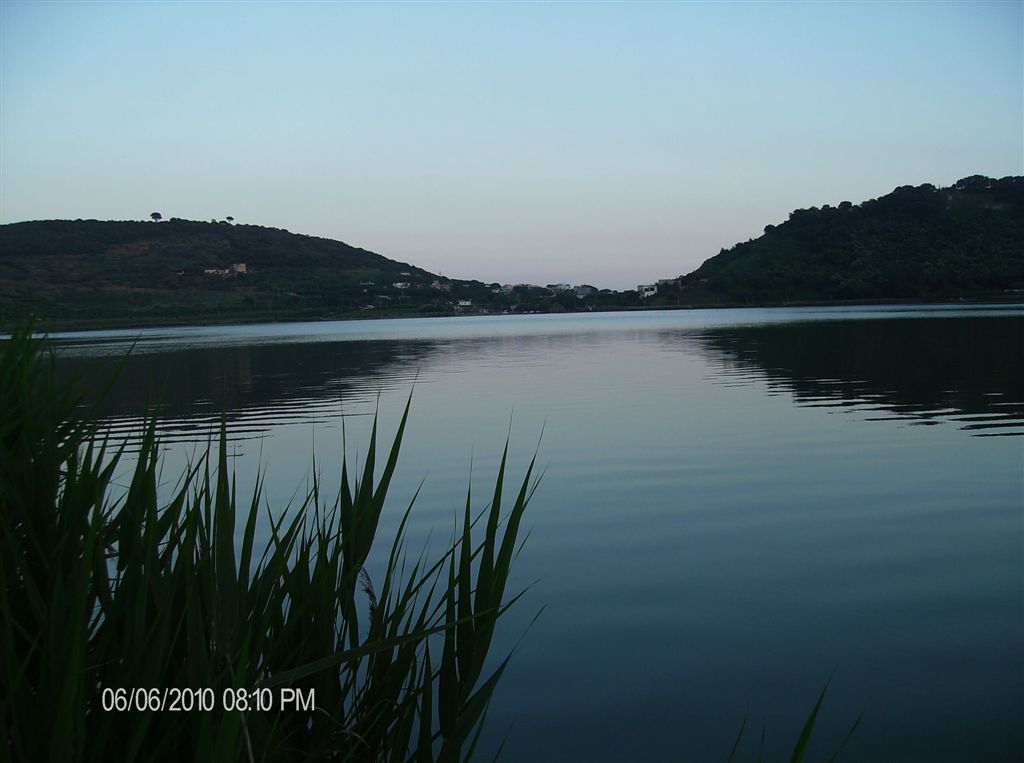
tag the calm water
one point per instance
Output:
(737, 506)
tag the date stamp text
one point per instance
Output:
(177, 700)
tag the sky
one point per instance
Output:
(601, 143)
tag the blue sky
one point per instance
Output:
(607, 143)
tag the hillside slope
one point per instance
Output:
(965, 241)
(91, 272)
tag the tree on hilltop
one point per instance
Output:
(157, 217)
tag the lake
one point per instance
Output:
(738, 506)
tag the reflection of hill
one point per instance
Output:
(914, 369)
(254, 384)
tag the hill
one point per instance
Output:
(74, 273)
(916, 243)
(924, 242)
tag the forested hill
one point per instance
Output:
(965, 241)
(92, 272)
(916, 243)
(183, 243)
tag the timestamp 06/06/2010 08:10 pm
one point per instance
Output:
(185, 700)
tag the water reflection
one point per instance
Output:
(700, 545)
(964, 370)
(255, 386)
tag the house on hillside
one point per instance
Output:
(647, 290)
(238, 267)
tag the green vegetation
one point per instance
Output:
(103, 588)
(70, 274)
(799, 752)
(81, 273)
(922, 243)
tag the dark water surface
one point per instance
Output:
(737, 505)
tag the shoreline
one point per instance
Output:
(57, 327)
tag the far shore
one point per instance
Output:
(65, 327)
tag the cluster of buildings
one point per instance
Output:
(580, 291)
(238, 267)
(442, 284)
(646, 290)
(403, 285)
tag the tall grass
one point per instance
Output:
(105, 587)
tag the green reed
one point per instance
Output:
(106, 587)
(799, 753)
